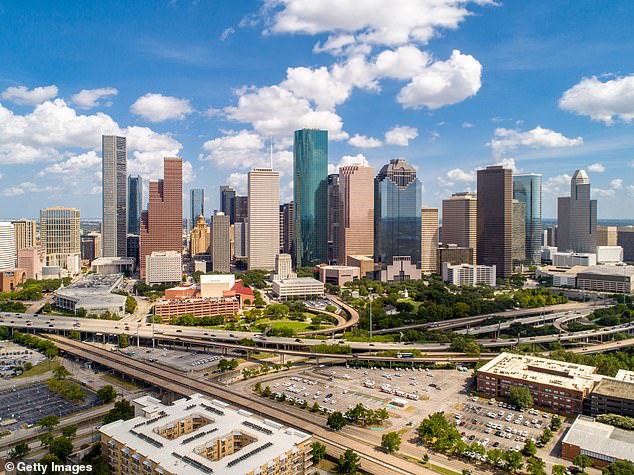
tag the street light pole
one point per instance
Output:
(370, 297)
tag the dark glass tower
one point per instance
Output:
(527, 188)
(227, 202)
(135, 203)
(196, 203)
(397, 212)
(310, 180)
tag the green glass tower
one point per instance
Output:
(310, 188)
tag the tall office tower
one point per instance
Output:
(495, 219)
(519, 232)
(162, 222)
(241, 209)
(625, 239)
(334, 218)
(200, 237)
(135, 204)
(460, 222)
(577, 217)
(8, 252)
(220, 249)
(527, 188)
(310, 189)
(227, 202)
(550, 238)
(288, 229)
(196, 204)
(60, 235)
(114, 227)
(397, 216)
(25, 233)
(429, 240)
(356, 195)
(240, 240)
(606, 235)
(263, 231)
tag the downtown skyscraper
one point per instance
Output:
(459, 221)
(135, 204)
(263, 230)
(310, 181)
(397, 212)
(196, 204)
(527, 188)
(356, 210)
(114, 230)
(227, 202)
(577, 217)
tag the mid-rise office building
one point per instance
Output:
(283, 267)
(162, 222)
(133, 249)
(571, 259)
(459, 221)
(60, 235)
(135, 204)
(469, 275)
(163, 267)
(91, 247)
(577, 217)
(220, 242)
(334, 217)
(196, 204)
(397, 213)
(607, 235)
(310, 189)
(298, 287)
(32, 261)
(527, 188)
(114, 226)
(25, 233)
(240, 242)
(495, 219)
(8, 254)
(200, 238)
(452, 254)
(625, 239)
(264, 213)
(429, 240)
(356, 197)
(287, 229)
(550, 236)
(519, 232)
(227, 202)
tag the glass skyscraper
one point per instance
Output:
(527, 188)
(310, 180)
(196, 203)
(397, 212)
(135, 202)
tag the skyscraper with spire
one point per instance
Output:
(577, 217)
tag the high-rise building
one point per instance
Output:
(264, 218)
(60, 235)
(287, 231)
(90, 246)
(240, 243)
(220, 249)
(25, 233)
(606, 235)
(625, 239)
(8, 253)
(495, 219)
(550, 236)
(241, 208)
(527, 188)
(519, 232)
(429, 240)
(227, 202)
(200, 237)
(196, 204)
(114, 226)
(459, 221)
(397, 216)
(577, 217)
(310, 189)
(356, 196)
(162, 222)
(135, 204)
(334, 216)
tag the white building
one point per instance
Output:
(299, 287)
(199, 436)
(163, 267)
(338, 275)
(402, 268)
(94, 294)
(571, 259)
(7, 246)
(467, 274)
(609, 254)
(263, 232)
(113, 265)
(283, 267)
(213, 285)
(547, 253)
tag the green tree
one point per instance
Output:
(336, 421)
(319, 452)
(123, 341)
(546, 436)
(47, 308)
(315, 407)
(494, 456)
(619, 467)
(46, 439)
(74, 335)
(61, 447)
(513, 461)
(130, 304)
(81, 312)
(391, 442)
(558, 470)
(19, 451)
(349, 462)
(107, 394)
(530, 448)
(60, 372)
(48, 422)
(258, 387)
(266, 392)
(535, 466)
(520, 396)
(69, 431)
(555, 423)
(582, 461)
(437, 432)
(122, 410)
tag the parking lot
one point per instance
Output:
(182, 360)
(13, 355)
(496, 424)
(28, 404)
(338, 388)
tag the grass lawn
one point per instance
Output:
(40, 368)
(295, 325)
(129, 385)
(443, 470)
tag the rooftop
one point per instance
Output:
(181, 453)
(615, 388)
(610, 270)
(94, 291)
(543, 371)
(625, 375)
(601, 438)
(100, 261)
(300, 281)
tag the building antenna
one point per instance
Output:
(271, 153)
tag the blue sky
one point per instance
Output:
(451, 85)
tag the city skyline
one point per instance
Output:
(490, 111)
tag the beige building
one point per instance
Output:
(220, 248)
(25, 233)
(429, 240)
(199, 238)
(32, 260)
(298, 287)
(214, 285)
(607, 235)
(459, 221)
(60, 235)
(356, 205)
(263, 232)
(519, 232)
(200, 436)
(163, 267)
(364, 263)
(338, 275)
(283, 267)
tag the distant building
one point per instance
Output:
(135, 204)
(114, 225)
(283, 267)
(133, 249)
(11, 279)
(550, 236)
(607, 278)
(25, 233)
(240, 243)
(519, 232)
(577, 217)
(220, 249)
(570, 259)
(287, 229)
(113, 265)
(401, 269)
(163, 267)
(429, 240)
(364, 263)
(527, 188)
(32, 261)
(609, 254)
(356, 203)
(60, 235)
(469, 275)
(196, 204)
(199, 238)
(198, 307)
(93, 293)
(241, 208)
(607, 235)
(227, 202)
(263, 233)
(338, 275)
(625, 239)
(90, 246)
(334, 217)
(459, 221)
(215, 285)
(299, 287)
(452, 254)
(8, 254)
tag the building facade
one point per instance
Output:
(625, 239)
(527, 188)
(32, 260)
(334, 217)
(287, 229)
(200, 237)
(452, 254)
(25, 233)
(469, 274)
(519, 232)
(577, 217)
(91, 246)
(459, 221)
(220, 243)
(264, 218)
(310, 190)
(114, 179)
(196, 204)
(135, 204)
(198, 307)
(227, 202)
(338, 275)
(607, 235)
(356, 198)
(163, 267)
(429, 240)
(60, 235)
(298, 287)
(8, 254)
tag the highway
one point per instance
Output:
(342, 323)
(372, 460)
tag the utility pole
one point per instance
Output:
(370, 297)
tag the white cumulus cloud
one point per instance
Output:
(615, 185)
(508, 140)
(401, 135)
(159, 108)
(347, 160)
(89, 98)
(362, 141)
(25, 96)
(597, 168)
